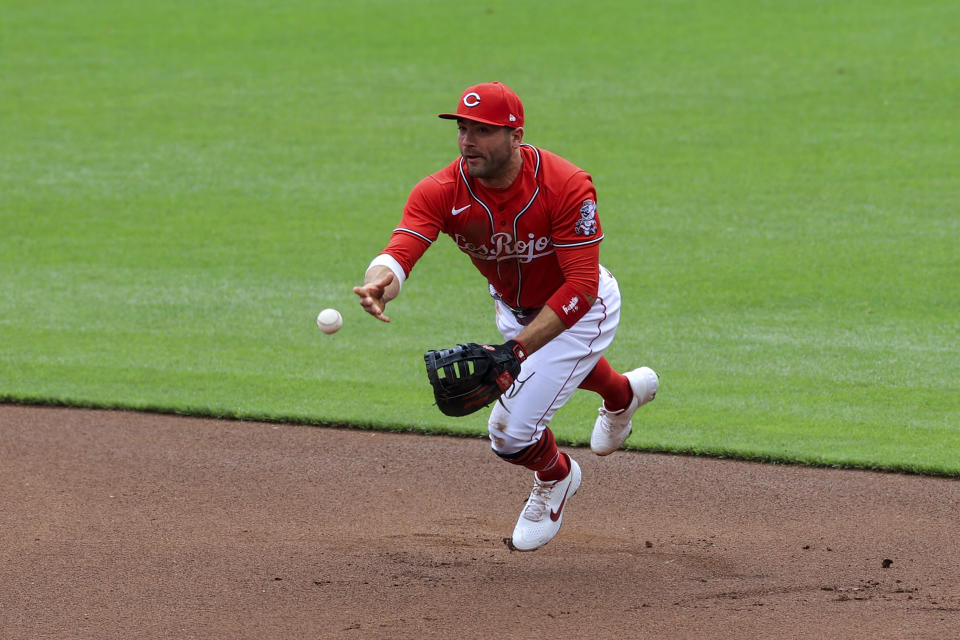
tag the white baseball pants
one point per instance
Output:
(549, 376)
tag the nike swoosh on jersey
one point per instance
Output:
(555, 515)
(454, 211)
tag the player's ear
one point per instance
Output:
(516, 136)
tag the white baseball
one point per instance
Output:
(329, 321)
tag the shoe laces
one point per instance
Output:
(537, 504)
(609, 420)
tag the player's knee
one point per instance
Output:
(503, 442)
(509, 444)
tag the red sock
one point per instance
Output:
(558, 470)
(543, 457)
(613, 387)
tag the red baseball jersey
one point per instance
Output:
(529, 239)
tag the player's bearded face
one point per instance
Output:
(487, 149)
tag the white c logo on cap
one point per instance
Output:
(472, 99)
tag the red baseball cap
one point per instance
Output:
(490, 103)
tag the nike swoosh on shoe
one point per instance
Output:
(555, 515)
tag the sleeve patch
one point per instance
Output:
(587, 224)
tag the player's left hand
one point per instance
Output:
(471, 376)
(509, 349)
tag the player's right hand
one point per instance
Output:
(372, 296)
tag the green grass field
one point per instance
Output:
(183, 186)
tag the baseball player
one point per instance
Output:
(527, 219)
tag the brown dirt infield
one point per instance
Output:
(128, 525)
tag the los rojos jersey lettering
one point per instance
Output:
(502, 246)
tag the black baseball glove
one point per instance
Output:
(470, 376)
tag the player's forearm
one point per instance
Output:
(544, 328)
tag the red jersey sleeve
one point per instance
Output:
(575, 223)
(420, 225)
(576, 238)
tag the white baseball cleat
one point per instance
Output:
(612, 429)
(543, 514)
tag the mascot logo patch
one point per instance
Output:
(587, 224)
